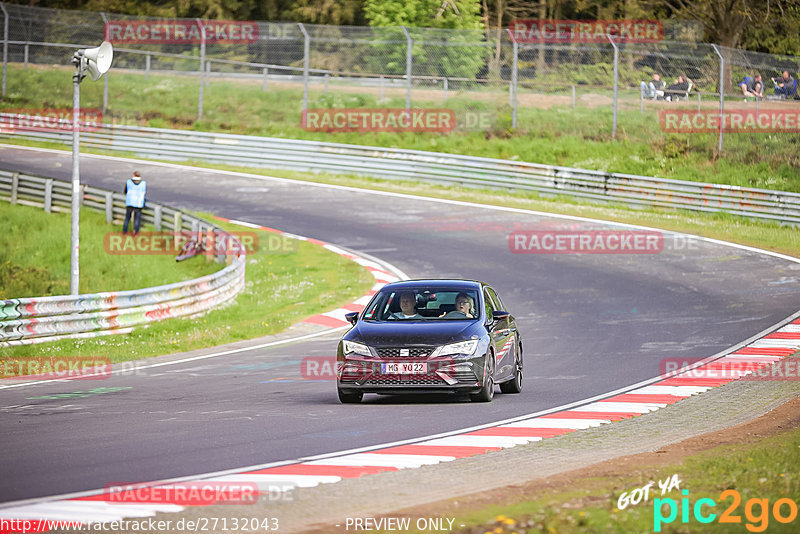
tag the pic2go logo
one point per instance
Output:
(756, 511)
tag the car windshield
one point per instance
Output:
(423, 304)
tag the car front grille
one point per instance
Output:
(394, 352)
(416, 380)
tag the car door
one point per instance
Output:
(500, 333)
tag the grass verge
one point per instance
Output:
(549, 131)
(283, 287)
(35, 255)
(765, 470)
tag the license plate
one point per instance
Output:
(404, 368)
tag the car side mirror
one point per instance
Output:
(499, 315)
(351, 317)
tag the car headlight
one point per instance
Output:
(462, 348)
(351, 347)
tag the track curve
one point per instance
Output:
(590, 324)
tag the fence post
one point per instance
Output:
(207, 75)
(698, 102)
(25, 54)
(380, 92)
(202, 67)
(5, 44)
(444, 86)
(325, 89)
(616, 86)
(177, 226)
(264, 82)
(157, 217)
(14, 187)
(105, 78)
(721, 95)
(48, 195)
(409, 65)
(514, 71)
(147, 67)
(306, 52)
(109, 207)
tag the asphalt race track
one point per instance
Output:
(590, 324)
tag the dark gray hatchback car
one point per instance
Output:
(423, 336)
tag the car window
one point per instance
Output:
(498, 304)
(423, 304)
(490, 306)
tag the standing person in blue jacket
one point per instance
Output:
(135, 191)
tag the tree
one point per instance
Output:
(455, 54)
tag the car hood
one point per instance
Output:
(413, 333)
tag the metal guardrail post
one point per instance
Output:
(721, 95)
(48, 196)
(306, 60)
(5, 44)
(109, 207)
(325, 89)
(514, 74)
(14, 187)
(616, 86)
(147, 67)
(202, 67)
(444, 87)
(25, 53)
(157, 217)
(176, 228)
(409, 65)
(264, 82)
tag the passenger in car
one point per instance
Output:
(408, 310)
(465, 308)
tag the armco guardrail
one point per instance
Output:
(393, 163)
(33, 320)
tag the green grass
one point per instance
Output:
(556, 135)
(766, 469)
(35, 257)
(282, 288)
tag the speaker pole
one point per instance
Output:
(74, 260)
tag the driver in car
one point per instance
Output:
(408, 302)
(464, 308)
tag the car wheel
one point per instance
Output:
(515, 384)
(486, 394)
(350, 397)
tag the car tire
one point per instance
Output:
(515, 384)
(486, 394)
(350, 397)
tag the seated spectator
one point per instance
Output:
(752, 86)
(654, 89)
(785, 86)
(678, 89)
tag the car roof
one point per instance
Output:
(440, 283)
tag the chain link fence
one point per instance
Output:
(486, 79)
